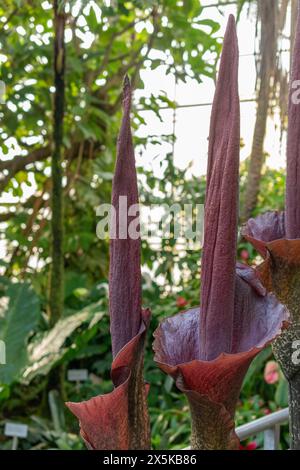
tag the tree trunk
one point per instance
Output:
(268, 45)
(294, 12)
(57, 271)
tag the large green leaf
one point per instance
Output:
(282, 393)
(19, 313)
(49, 347)
(256, 367)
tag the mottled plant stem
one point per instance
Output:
(283, 278)
(212, 426)
(294, 400)
(139, 423)
(285, 352)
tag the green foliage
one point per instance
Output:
(173, 186)
(19, 315)
(272, 190)
(82, 339)
(102, 44)
(48, 347)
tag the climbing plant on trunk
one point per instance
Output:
(57, 223)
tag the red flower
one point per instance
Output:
(245, 255)
(271, 373)
(181, 302)
(251, 446)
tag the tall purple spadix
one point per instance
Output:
(221, 207)
(119, 420)
(125, 260)
(292, 212)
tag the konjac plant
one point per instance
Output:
(119, 420)
(207, 349)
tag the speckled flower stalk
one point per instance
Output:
(208, 351)
(119, 420)
(277, 237)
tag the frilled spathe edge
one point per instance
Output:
(282, 256)
(104, 419)
(263, 229)
(213, 378)
(280, 270)
(217, 382)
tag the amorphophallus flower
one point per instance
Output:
(119, 420)
(209, 349)
(276, 236)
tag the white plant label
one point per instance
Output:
(16, 430)
(2, 352)
(296, 354)
(77, 375)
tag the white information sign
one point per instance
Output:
(77, 375)
(16, 430)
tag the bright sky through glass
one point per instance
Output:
(191, 128)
